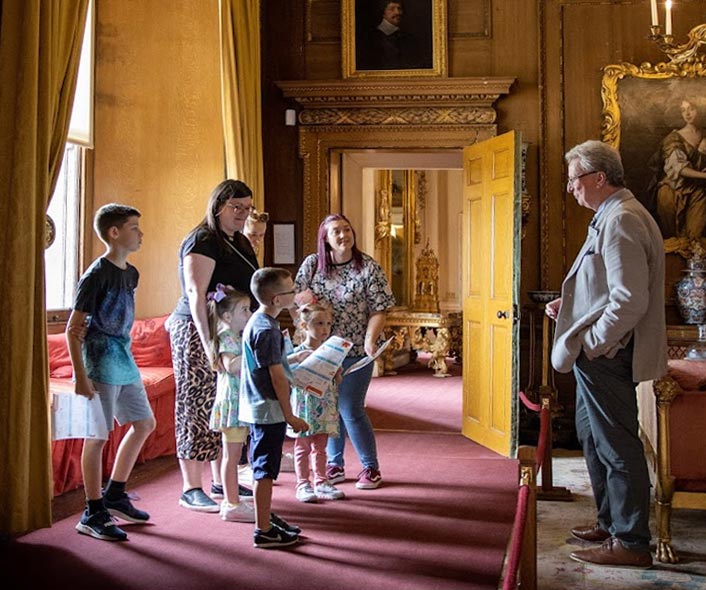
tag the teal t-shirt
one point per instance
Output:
(107, 294)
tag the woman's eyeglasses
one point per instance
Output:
(240, 208)
(255, 215)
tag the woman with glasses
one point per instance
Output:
(356, 287)
(215, 251)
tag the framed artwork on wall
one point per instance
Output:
(656, 117)
(387, 38)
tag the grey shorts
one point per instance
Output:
(124, 403)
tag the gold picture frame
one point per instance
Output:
(644, 110)
(417, 48)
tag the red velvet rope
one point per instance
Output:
(542, 444)
(532, 406)
(518, 534)
(518, 527)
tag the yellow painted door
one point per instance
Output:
(491, 265)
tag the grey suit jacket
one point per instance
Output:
(615, 290)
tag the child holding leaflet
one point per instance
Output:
(103, 365)
(264, 400)
(228, 312)
(321, 413)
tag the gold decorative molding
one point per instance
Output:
(396, 93)
(384, 114)
(398, 116)
(666, 389)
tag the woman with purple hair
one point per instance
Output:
(358, 291)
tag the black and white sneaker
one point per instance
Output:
(274, 538)
(100, 526)
(292, 529)
(124, 509)
(195, 499)
(216, 491)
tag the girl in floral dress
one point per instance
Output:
(321, 413)
(228, 312)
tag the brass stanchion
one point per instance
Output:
(547, 394)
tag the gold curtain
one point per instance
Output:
(40, 46)
(240, 93)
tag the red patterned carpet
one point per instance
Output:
(415, 400)
(441, 521)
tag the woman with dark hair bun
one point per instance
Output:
(356, 287)
(213, 252)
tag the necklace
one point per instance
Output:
(239, 253)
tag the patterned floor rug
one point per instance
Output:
(556, 571)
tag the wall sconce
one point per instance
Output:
(290, 117)
(688, 52)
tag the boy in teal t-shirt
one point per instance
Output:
(98, 335)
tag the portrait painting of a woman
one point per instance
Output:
(681, 192)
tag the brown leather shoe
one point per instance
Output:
(592, 533)
(612, 553)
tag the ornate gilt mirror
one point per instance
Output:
(397, 229)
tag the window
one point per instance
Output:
(62, 258)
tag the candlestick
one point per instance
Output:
(668, 17)
(655, 14)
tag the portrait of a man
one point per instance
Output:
(393, 34)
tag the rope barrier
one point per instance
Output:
(518, 534)
(518, 527)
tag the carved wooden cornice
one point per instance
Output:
(399, 116)
(417, 102)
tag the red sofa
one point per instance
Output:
(152, 352)
(681, 453)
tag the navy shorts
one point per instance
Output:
(266, 442)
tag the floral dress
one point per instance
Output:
(224, 413)
(354, 294)
(321, 413)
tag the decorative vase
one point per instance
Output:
(691, 301)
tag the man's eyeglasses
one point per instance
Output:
(241, 208)
(572, 179)
(255, 215)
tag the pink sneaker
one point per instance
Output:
(335, 473)
(369, 479)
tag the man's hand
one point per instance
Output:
(552, 308)
(297, 424)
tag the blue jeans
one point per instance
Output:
(354, 420)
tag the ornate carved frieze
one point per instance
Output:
(398, 116)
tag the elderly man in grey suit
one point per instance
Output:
(611, 330)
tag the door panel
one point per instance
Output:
(491, 241)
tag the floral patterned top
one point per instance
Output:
(354, 295)
(321, 413)
(224, 413)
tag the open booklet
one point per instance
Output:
(368, 359)
(315, 373)
(76, 416)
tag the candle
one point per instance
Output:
(668, 17)
(655, 15)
